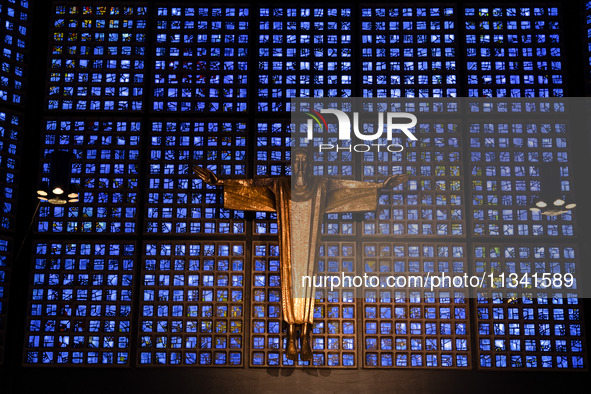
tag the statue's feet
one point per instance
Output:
(291, 352)
(306, 351)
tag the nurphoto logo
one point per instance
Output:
(388, 123)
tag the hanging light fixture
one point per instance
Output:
(557, 207)
(553, 201)
(58, 190)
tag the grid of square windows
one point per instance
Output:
(192, 300)
(201, 59)
(267, 337)
(514, 52)
(10, 140)
(80, 304)
(406, 325)
(105, 168)
(178, 201)
(273, 141)
(334, 333)
(273, 148)
(409, 52)
(511, 166)
(303, 52)
(97, 56)
(432, 201)
(528, 327)
(14, 28)
(97, 59)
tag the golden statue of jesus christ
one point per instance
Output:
(300, 202)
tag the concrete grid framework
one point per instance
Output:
(139, 108)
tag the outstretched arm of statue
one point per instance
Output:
(242, 194)
(354, 196)
(207, 176)
(395, 180)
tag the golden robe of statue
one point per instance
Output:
(300, 208)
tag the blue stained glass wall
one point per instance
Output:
(15, 29)
(415, 328)
(11, 129)
(431, 203)
(518, 52)
(334, 338)
(80, 309)
(409, 52)
(97, 58)
(514, 52)
(192, 304)
(179, 202)
(303, 52)
(140, 93)
(201, 59)
(541, 329)
(508, 164)
(105, 169)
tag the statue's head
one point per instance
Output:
(301, 161)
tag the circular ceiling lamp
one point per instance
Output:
(552, 206)
(551, 200)
(58, 190)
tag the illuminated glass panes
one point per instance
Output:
(334, 331)
(14, 28)
(542, 329)
(5, 256)
(302, 52)
(10, 139)
(507, 166)
(415, 327)
(514, 52)
(97, 56)
(201, 57)
(192, 299)
(408, 52)
(334, 335)
(105, 166)
(267, 337)
(431, 202)
(178, 201)
(273, 145)
(80, 303)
